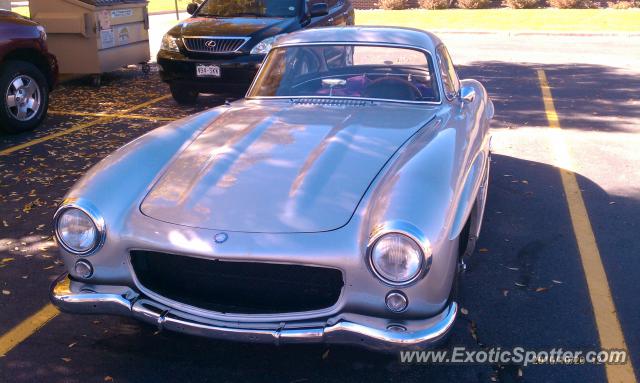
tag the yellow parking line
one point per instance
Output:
(76, 128)
(127, 116)
(27, 327)
(609, 329)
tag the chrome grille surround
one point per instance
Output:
(214, 44)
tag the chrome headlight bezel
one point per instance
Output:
(92, 213)
(410, 232)
(169, 43)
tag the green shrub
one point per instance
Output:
(565, 4)
(522, 4)
(435, 4)
(392, 4)
(474, 4)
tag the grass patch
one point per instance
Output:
(505, 19)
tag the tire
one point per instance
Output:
(16, 79)
(183, 95)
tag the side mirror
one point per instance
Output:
(319, 9)
(192, 8)
(467, 94)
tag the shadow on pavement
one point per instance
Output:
(588, 97)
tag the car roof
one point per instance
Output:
(362, 34)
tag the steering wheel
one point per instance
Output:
(392, 88)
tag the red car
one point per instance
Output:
(28, 72)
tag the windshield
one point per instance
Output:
(248, 8)
(353, 71)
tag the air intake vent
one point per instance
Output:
(237, 287)
(214, 44)
(330, 102)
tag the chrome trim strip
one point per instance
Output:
(89, 209)
(215, 38)
(339, 332)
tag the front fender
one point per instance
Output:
(116, 184)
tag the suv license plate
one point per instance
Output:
(208, 71)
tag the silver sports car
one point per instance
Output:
(333, 204)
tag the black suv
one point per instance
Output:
(221, 47)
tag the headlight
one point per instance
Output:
(77, 231)
(43, 32)
(264, 46)
(169, 43)
(396, 258)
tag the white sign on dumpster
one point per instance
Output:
(107, 38)
(118, 13)
(123, 35)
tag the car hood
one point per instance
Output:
(233, 26)
(281, 169)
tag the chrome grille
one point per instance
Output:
(214, 44)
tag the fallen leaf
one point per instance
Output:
(72, 344)
(108, 379)
(474, 330)
(325, 354)
(505, 292)
(513, 268)
(48, 268)
(519, 284)
(7, 260)
(6, 292)
(464, 311)
(557, 282)
(541, 289)
(525, 182)
(484, 250)
(66, 359)
(612, 203)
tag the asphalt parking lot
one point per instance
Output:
(525, 285)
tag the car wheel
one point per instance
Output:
(183, 95)
(24, 97)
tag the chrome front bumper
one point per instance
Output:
(418, 334)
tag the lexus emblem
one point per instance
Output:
(221, 237)
(210, 44)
